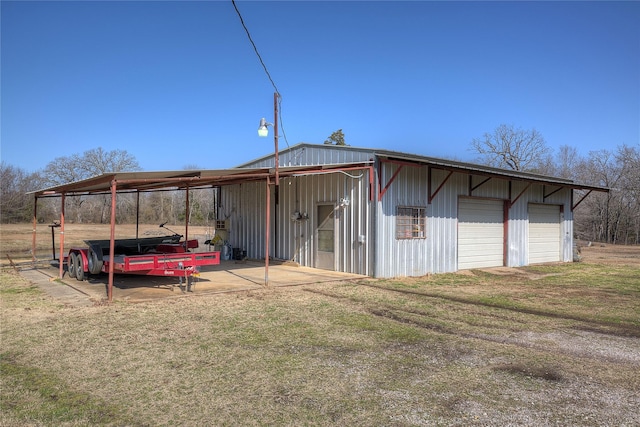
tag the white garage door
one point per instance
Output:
(544, 233)
(480, 233)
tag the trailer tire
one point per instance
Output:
(95, 265)
(79, 268)
(71, 264)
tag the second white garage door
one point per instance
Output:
(480, 233)
(544, 233)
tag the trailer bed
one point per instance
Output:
(162, 264)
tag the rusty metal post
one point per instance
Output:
(112, 243)
(276, 96)
(266, 238)
(276, 192)
(35, 222)
(186, 219)
(53, 240)
(61, 269)
(137, 211)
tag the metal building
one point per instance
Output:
(388, 214)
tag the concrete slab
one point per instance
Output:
(65, 294)
(229, 276)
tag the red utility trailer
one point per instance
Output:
(150, 256)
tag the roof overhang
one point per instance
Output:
(192, 179)
(480, 170)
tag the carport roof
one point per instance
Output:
(160, 180)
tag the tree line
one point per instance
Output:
(612, 217)
(16, 205)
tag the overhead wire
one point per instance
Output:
(265, 69)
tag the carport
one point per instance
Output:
(138, 182)
(229, 276)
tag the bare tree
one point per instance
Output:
(512, 148)
(96, 161)
(63, 170)
(15, 203)
(567, 162)
(629, 193)
(612, 217)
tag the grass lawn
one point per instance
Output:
(543, 345)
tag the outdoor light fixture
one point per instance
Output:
(262, 129)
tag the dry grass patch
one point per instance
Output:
(478, 349)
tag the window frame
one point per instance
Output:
(411, 222)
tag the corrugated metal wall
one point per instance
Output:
(416, 257)
(295, 240)
(243, 206)
(438, 252)
(306, 155)
(519, 221)
(366, 230)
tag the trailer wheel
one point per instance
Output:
(95, 265)
(71, 264)
(79, 268)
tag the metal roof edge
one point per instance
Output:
(488, 170)
(462, 166)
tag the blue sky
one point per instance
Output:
(178, 83)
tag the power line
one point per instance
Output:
(265, 70)
(254, 46)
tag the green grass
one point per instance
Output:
(31, 394)
(454, 349)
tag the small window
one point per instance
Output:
(410, 223)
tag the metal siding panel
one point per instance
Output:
(518, 227)
(400, 257)
(443, 230)
(494, 188)
(315, 155)
(304, 194)
(245, 208)
(383, 255)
